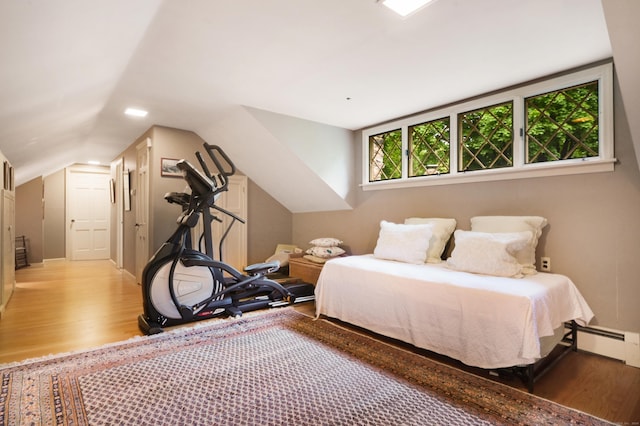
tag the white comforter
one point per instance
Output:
(483, 321)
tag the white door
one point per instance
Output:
(142, 207)
(234, 250)
(88, 213)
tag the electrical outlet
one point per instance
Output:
(545, 264)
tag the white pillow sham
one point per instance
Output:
(404, 243)
(442, 230)
(488, 253)
(534, 224)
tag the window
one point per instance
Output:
(486, 138)
(562, 125)
(385, 156)
(429, 151)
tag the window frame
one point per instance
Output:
(604, 162)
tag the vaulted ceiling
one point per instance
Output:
(71, 67)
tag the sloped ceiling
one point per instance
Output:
(622, 21)
(71, 67)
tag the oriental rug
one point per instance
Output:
(278, 367)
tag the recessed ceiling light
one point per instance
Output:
(135, 112)
(404, 7)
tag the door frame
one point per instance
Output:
(142, 204)
(118, 165)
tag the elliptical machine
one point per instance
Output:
(181, 284)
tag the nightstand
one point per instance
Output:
(304, 269)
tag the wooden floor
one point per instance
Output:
(68, 306)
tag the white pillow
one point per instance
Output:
(325, 242)
(527, 256)
(442, 230)
(325, 252)
(405, 243)
(488, 253)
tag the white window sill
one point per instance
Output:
(522, 172)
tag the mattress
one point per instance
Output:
(483, 321)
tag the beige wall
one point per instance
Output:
(54, 215)
(269, 224)
(167, 143)
(593, 234)
(29, 218)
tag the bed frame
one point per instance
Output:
(350, 288)
(532, 372)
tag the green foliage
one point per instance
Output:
(429, 148)
(385, 156)
(486, 138)
(562, 125)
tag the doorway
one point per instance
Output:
(88, 213)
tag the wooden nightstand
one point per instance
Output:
(304, 269)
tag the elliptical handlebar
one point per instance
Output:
(223, 165)
(215, 152)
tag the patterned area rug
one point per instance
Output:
(278, 367)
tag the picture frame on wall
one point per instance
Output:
(169, 168)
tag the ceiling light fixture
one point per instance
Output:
(135, 112)
(93, 162)
(404, 8)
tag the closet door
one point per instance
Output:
(234, 250)
(7, 260)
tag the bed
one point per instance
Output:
(489, 320)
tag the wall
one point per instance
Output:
(54, 216)
(29, 221)
(592, 234)
(269, 223)
(167, 143)
(176, 144)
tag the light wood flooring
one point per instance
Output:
(69, 306)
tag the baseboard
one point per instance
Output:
(616, 344)
(128, 274)
(33, 265)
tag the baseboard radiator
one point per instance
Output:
(624, 346)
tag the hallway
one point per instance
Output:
(68, 306)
